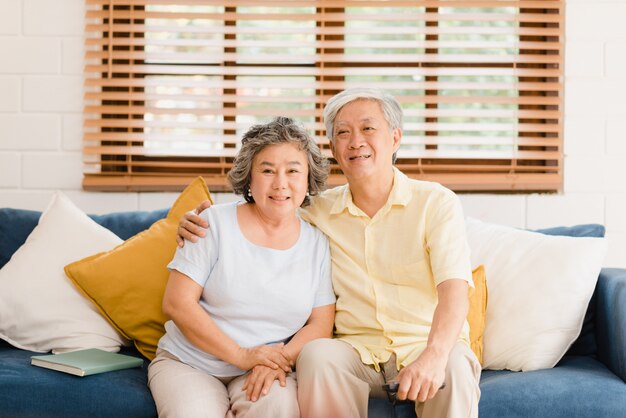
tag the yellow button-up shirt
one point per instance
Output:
(386, 268)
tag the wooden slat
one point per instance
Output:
(93, 86)
(550, 45)
(326, 30)
(428, 126)
(474, 154)
(473, 182)
(455, 100)
(526, 4)
(408, 15)
(201, 58)
(216, 126)
(458, 112)
(321, 72)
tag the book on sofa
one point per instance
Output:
(86, 362)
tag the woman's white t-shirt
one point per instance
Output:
(256, 295)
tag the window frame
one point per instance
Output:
(462, 174)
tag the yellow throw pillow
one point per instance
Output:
(477, 311)
(127, 282)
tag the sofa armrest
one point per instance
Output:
(611, 320)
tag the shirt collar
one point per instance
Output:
(400, 195)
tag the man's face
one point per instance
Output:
(364, 143)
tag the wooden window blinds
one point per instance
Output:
(171, 85)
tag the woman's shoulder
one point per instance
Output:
(220, 210)
(314, 233)
(221, 216)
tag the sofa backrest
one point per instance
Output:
(17, 224)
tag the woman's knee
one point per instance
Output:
(278, 402)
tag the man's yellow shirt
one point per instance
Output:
(386, 268)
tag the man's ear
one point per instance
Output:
(332, 148)
(397, 137)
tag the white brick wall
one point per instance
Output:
(54, 94)
(41, 123)
(23, 132)
(10, 17)
(9, 94)
(58, 17)
(36, 55)
(10, 167)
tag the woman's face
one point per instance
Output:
(279, 179)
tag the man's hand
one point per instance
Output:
(192, 226)
(260, 380)
(420, 380)
(272, 356)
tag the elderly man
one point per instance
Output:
(401, 273)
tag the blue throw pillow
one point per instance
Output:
(585, 344)
(585, 230)
(128, 224)
(17, 224)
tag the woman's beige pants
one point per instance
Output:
(180, 390)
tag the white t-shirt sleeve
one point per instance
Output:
(196, 260)
(325, 294)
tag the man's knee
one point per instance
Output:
(315, 352)
(463, 364)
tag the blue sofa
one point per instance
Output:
(588, 382)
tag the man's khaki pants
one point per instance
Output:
(334, 383)
(180, 390)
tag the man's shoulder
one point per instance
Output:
(328, 197)
(321, 204)
(430, 189)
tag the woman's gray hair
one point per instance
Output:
(281, 130)
(389, 105)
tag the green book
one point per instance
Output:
(86, 362)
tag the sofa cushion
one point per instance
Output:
(127, 282)
(579, 386)
(17, 224)
(40, 310)
(539, 290)
(28, 391)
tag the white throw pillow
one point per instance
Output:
(40, 309)
(539, 287)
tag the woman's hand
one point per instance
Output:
(272, 356)
(192, 226)
(260, 380)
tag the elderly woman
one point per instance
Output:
(245, 299)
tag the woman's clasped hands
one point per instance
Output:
(272, 356)
(267, 363)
